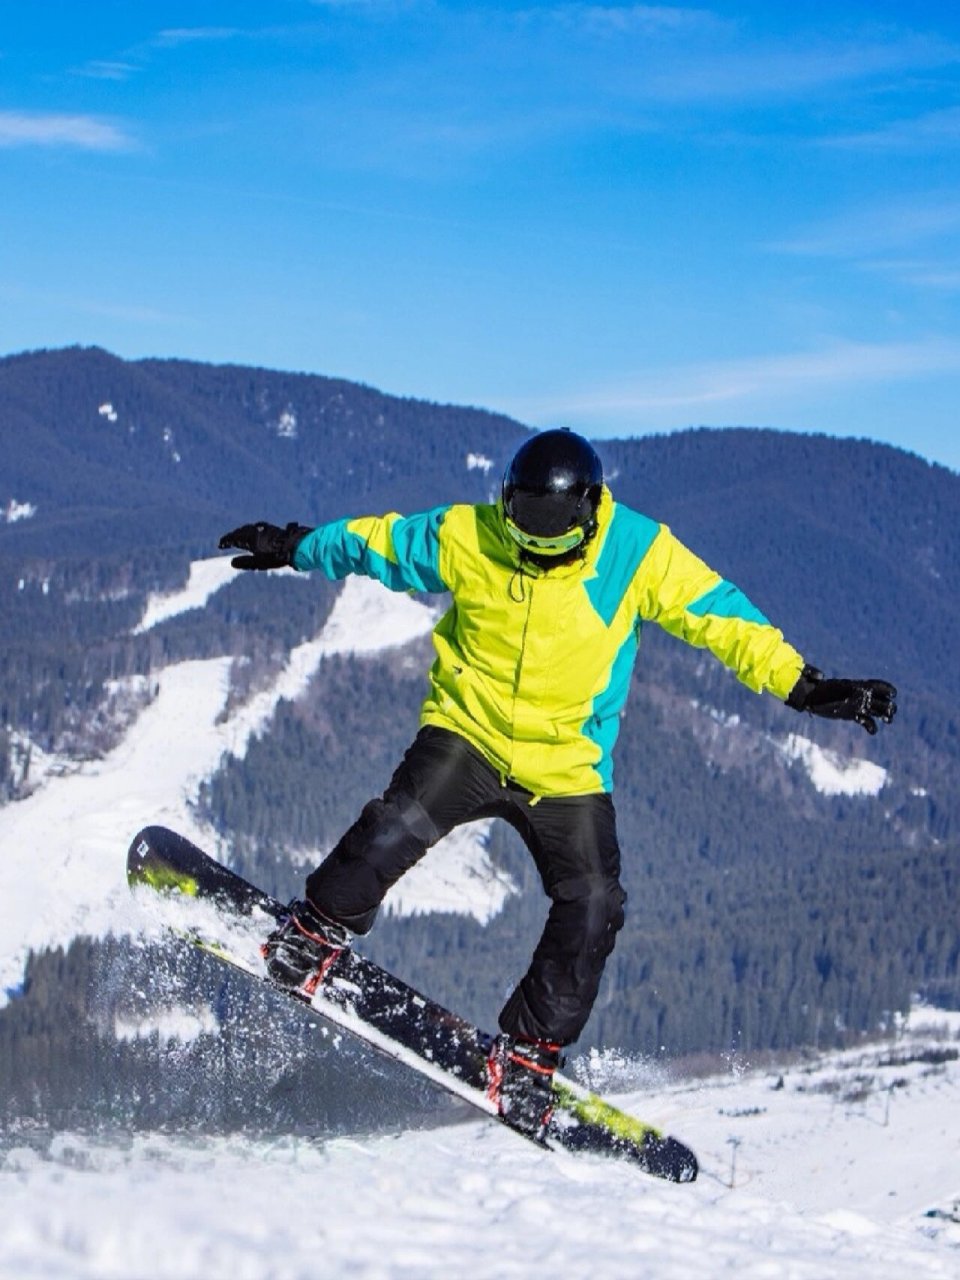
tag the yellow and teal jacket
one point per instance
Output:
(533, 666)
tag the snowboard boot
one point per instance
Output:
(303, 947)
(520, 1081)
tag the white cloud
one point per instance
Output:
(368, 6)
(861, 233)
(49, 129)
(104, 69)
(924, 273)
(642, 19)
(915, 242)
(741, 71)
(173, 36)
(130, 313)
(930, 130)
(731, 382)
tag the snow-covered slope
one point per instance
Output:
(457, 876)
(64, 846)
(821, 1170)
(205, 577)
(832, 1181)
(831, 773)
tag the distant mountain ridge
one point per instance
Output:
(112, 453)
(853, 548)
(760, 907)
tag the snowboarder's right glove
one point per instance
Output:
(303, 946)
(270, 547)
(863, 701)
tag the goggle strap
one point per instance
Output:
(545, 546)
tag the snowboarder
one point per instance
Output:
(549, 588)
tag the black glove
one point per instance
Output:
(303, 945)
(859, 700)
(270, 546)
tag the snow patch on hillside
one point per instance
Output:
(205, 577)
(287, 425)
(64, 845)
(30, 765)
(831, 773)
(456, 875)
(15, 511)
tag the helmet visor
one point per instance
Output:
(544, 546)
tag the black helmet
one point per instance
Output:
(551, 491)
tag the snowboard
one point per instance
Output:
(211, 907)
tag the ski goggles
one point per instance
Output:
(543, 546)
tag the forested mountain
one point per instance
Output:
(118, 456)
(850, 546)
(764, 912)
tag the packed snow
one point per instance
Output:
(462, 876)
(65, 844)
(168, 440)
(287, 425)
(205, 578)
(830, 772)
(459, 878)
(14, 511)
(833, 774)
(30, 765)
(805, 1175)
(840, 1167)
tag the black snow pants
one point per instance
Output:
(443, 781)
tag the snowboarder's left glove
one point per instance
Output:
(270, 547)
(864, 701)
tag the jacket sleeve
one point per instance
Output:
(690, 600)
(402, 552)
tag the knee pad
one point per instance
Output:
(598, 900)
(390, 836)
(384, 842)
(586, 916)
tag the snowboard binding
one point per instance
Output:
(300, 951)
(520, 1081)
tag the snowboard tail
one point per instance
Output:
(213, 908)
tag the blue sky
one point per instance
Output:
(621, 218)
